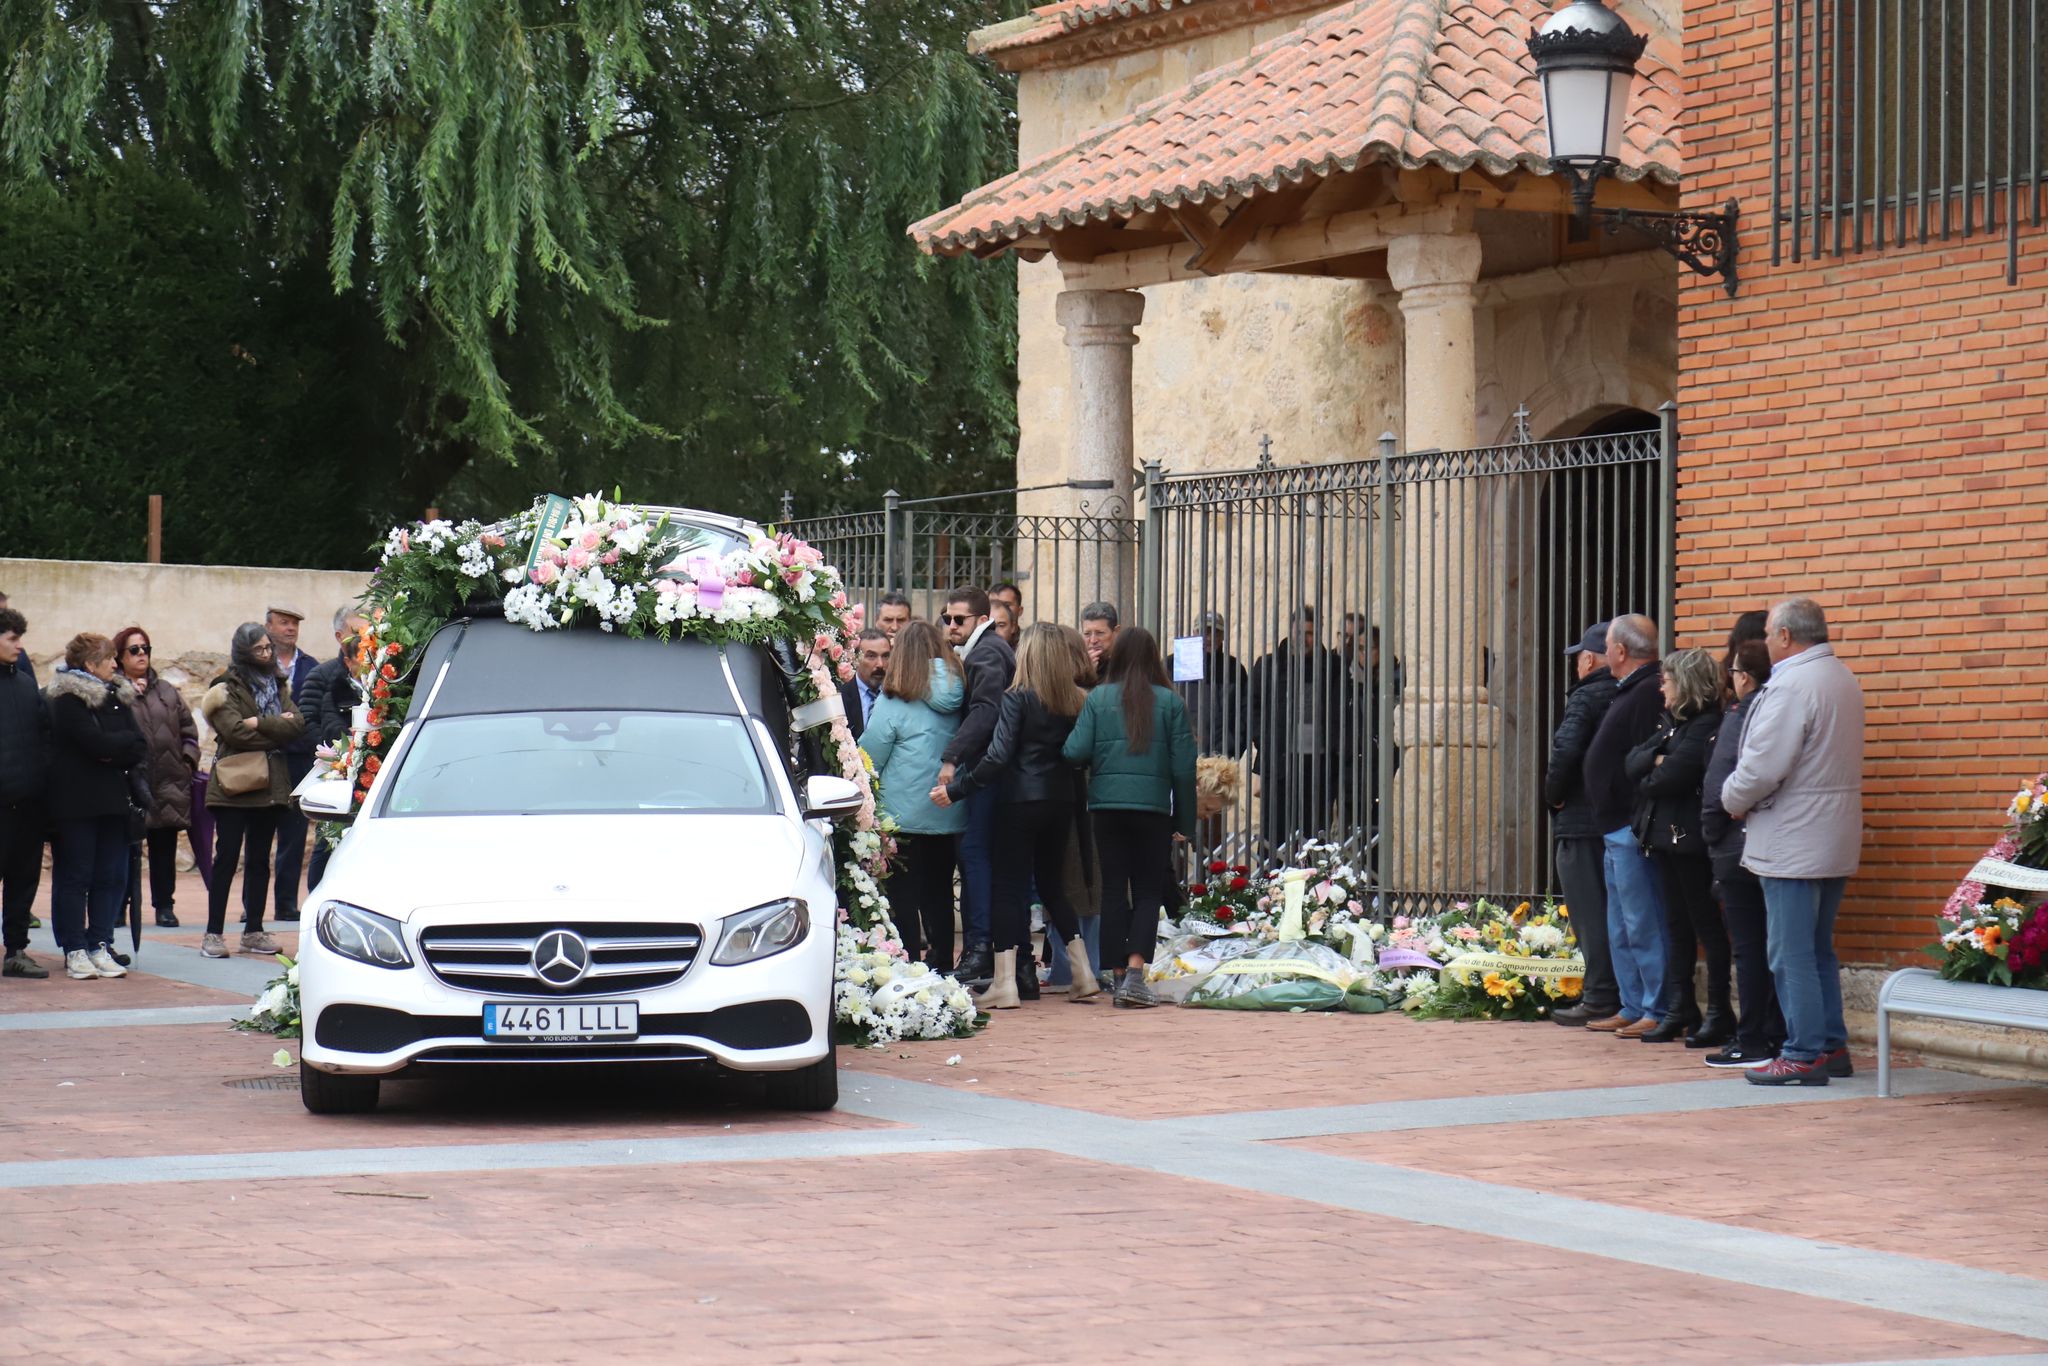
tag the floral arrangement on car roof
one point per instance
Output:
(589, 559)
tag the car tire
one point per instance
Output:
(328, 1093)
(815, 1087)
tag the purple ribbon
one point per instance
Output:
(710, 587)
(1407, 958)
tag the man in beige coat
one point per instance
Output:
(1799, 782)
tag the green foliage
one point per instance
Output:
(660, 244)
(131, 368)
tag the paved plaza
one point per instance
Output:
(1084, 1183)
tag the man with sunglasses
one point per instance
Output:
(990, 664)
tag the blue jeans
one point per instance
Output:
(1635, 924)
(89, 880)
(1801, 929)
(978, 868)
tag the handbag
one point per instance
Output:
(243, 772)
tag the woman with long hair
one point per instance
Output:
(253, 717)
(1133, 736)
(1036, 795)
(1759, 1022)
(906, 735)
(167, 770)
(1670, 769)
(96, 742)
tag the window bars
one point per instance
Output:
(1900, 122)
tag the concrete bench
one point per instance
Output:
(1922, 992)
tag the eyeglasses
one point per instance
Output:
(951, 620)
(138, 649)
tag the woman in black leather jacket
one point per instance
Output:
(1668, 769)
(1038, 795)
(1760, 1026)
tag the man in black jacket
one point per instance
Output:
(1635, 902)
(859, 694)
(1575, 832)
(24, 771)
(989, 665)
(1300, 721)
(329, 699)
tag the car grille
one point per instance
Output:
(625, 956)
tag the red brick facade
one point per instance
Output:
(1872, 431)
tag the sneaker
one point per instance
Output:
(35, 922)
(1838, 1063)
(1132, 993)
(258, 942)
(102, 959)
(19, 964)
(213, 946)
(1733, 1056)
(1782, 1071)
(78, 966)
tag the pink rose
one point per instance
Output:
(545, 572)
(609, 557)
(1400, 922)
(579, 558)
(792, 577)
(845, 672)
(745, 578)
(592, 539)
(493, 540)
(838, 599)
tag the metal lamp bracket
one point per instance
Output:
(1704, 242)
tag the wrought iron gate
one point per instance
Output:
(1376, 643)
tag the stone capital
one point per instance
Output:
(1433, 269)
(1100, 317)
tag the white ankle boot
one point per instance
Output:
(1002, 988)
(1085, 984)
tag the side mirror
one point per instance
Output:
(328, 799)
(829, 797)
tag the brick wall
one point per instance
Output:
(1872, 431)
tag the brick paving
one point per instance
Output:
(1006, 1252)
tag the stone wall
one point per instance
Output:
(190, 611)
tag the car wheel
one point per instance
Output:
(326, 1093)
(807, 1088)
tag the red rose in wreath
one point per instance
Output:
(1198, 889)
(1238, 884)
(1219, 866)
(1224, 915)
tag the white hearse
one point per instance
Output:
(583, 850)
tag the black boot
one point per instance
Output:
(1717, 1029)
(1027, 975)
(1673, 1027)
(166, 920)
(976, 965)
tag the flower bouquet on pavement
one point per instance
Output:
(1225, 898)
(1504, 965)
(1987, 933)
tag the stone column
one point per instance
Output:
(1446, 815)
(1101, 327)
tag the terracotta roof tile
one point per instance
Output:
(1408, 82)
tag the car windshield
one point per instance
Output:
(561, 762)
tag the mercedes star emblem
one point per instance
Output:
(560, 958)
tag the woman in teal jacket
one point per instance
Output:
(908, 730)
(1133, 733)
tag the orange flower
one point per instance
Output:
(372, 764)
(1989, 935)
(376, 738)
(388, 673)
(381, 690)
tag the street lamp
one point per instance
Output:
(1586, 58)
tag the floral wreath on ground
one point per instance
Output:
(563, 562)
(1995, 933)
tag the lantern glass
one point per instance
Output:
(1583, 109)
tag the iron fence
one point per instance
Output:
(1375, 646)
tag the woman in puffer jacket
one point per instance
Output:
(173, 758)
(96, 741)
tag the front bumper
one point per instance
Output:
(768, 1016)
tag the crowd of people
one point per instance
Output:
(103, 766)
(1051, 766)
(1712, 808)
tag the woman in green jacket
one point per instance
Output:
(253, 717)
(1133, 734)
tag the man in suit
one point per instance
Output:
(989, 664)
(296, 666)
(859, 694)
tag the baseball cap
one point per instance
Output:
(1211, 621)
(1595, 640)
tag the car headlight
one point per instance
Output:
(762, 931)
(362, 935)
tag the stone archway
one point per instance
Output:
(1571, 402)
